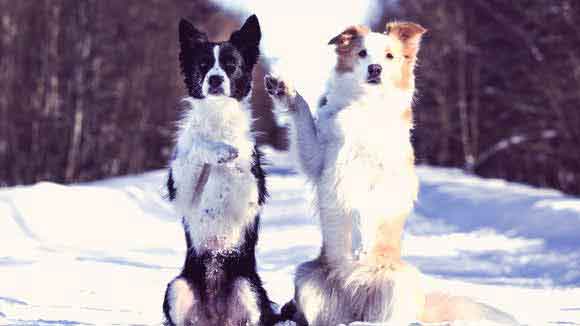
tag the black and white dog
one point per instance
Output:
(217, 185)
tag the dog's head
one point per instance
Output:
(377, 59)
(219, 68)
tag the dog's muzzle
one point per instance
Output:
(215, 85)
(374, 76)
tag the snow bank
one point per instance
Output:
(101, 253)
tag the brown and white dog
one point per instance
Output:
(358, 155)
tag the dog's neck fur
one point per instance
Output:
(220, 119)
(343, 90)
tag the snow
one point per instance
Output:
(101, 253)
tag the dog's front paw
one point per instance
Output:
(226, 153)
(277, 87)
(280, 90)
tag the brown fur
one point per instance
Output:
(411, 162)
(407, 37)
(408, 33)
(348, 44)
(441, 307)
(387, 247)
(408, 116)
(408, 119)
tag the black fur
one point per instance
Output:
(191, 41)
(237, 57)
(240, 263)
(260, 175)
(171, 185)
(166, 309)
(200, 269)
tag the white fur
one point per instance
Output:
(216, 217)
(327, 295)
(366, 152)
(182, 301)
(247, 304)
(216, 70)
(186, 309)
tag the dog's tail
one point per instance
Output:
(441, 308)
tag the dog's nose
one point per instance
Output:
(375, 70)
(215, 80)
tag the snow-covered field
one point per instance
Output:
(101, 253)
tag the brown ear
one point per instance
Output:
(345, 40)
(407, 32)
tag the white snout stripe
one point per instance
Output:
(216, 70)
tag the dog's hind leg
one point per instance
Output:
(180, 303)
(405, 303)
(316, 297)
(244, 307)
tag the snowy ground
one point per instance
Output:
(101, 253)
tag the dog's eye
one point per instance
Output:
(229, 66)
(204, 63)
(390, 56)
(362, 53)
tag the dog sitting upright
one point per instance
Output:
(217, 185)
(359, 157)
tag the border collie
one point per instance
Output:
(217, 185)
(358, 155)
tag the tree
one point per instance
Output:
(498, 88)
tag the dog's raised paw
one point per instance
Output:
(277, 87)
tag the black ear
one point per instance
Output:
(249, 34)
(189, 36)
(189, 39)
(247, 39)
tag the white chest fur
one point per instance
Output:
(366, 179)
(216, 216)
